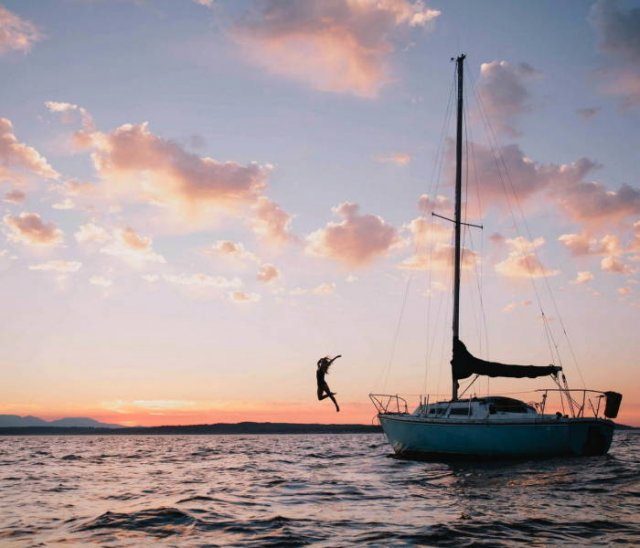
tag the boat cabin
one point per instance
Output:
(476, 408)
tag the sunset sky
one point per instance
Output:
(200, 198)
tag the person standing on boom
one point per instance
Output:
(323, 388)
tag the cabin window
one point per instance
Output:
(509, 406)
(459, 411)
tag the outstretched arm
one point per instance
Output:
(334, 359)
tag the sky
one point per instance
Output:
(201, 198)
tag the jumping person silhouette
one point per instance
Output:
(323, 388)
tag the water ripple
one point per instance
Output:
(325, 490)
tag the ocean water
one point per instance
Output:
(326, 490)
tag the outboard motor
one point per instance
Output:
(612, 404)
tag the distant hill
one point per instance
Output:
(16, 421)
(195, 429)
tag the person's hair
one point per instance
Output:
(324, 363)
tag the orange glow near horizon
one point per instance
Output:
(351, 413)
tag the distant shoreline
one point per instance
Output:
(260, 428)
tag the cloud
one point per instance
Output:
(235, 250)
(59, 266)
(565, 185)
(583, 277)
(339, 46)
(100, 281)
(200, 280)
(326, 288)
(16, 34)
(244, 297)
(503, 91)
(68, 110)
(161, 172)
(440, 257)
(136, 165)
(427, 204)
(592, 203)
(91, 233)
(522, 261)
(30, 229)
(583, 244)
(624, 291)
(431, 239)
(614, 265)
(355, 241)
(525, 176)
(398, 158)
(271, 222)
(512, 306)
(321, 290)
(14, 196)
(267, 273)
(619, 38)
(128, 245)
(65, 204)
(17, 158)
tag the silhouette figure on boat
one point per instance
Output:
(323, 388)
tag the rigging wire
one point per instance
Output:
(435, 175)
(430, 240)
(394, 343)
(503, 174)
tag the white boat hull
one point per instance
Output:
(540, 437)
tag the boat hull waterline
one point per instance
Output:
(412, 436)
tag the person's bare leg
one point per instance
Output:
(334, 401)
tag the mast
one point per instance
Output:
(458, 216)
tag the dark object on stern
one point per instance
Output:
(612, 404)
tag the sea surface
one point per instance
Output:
(325, 490)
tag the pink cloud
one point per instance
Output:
(565, 185)
(337, 46)
(91, 233)
(522, 261)
(267, 273)
(161, 171)
(525, 176)
(14, 196)
(512, 306)
(16, 157)
(431, 237)
(136, 165)
(504, 94)
(271, 223)
(356, 240)
(68, 110)
(227, 248)
(16, 34)
(583, 277)
(243, 297)
(440, 257)
(133, 248)
(614, 265)
(583, 244)
(59, 266)
(30, 229)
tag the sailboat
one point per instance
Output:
(495, 426)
